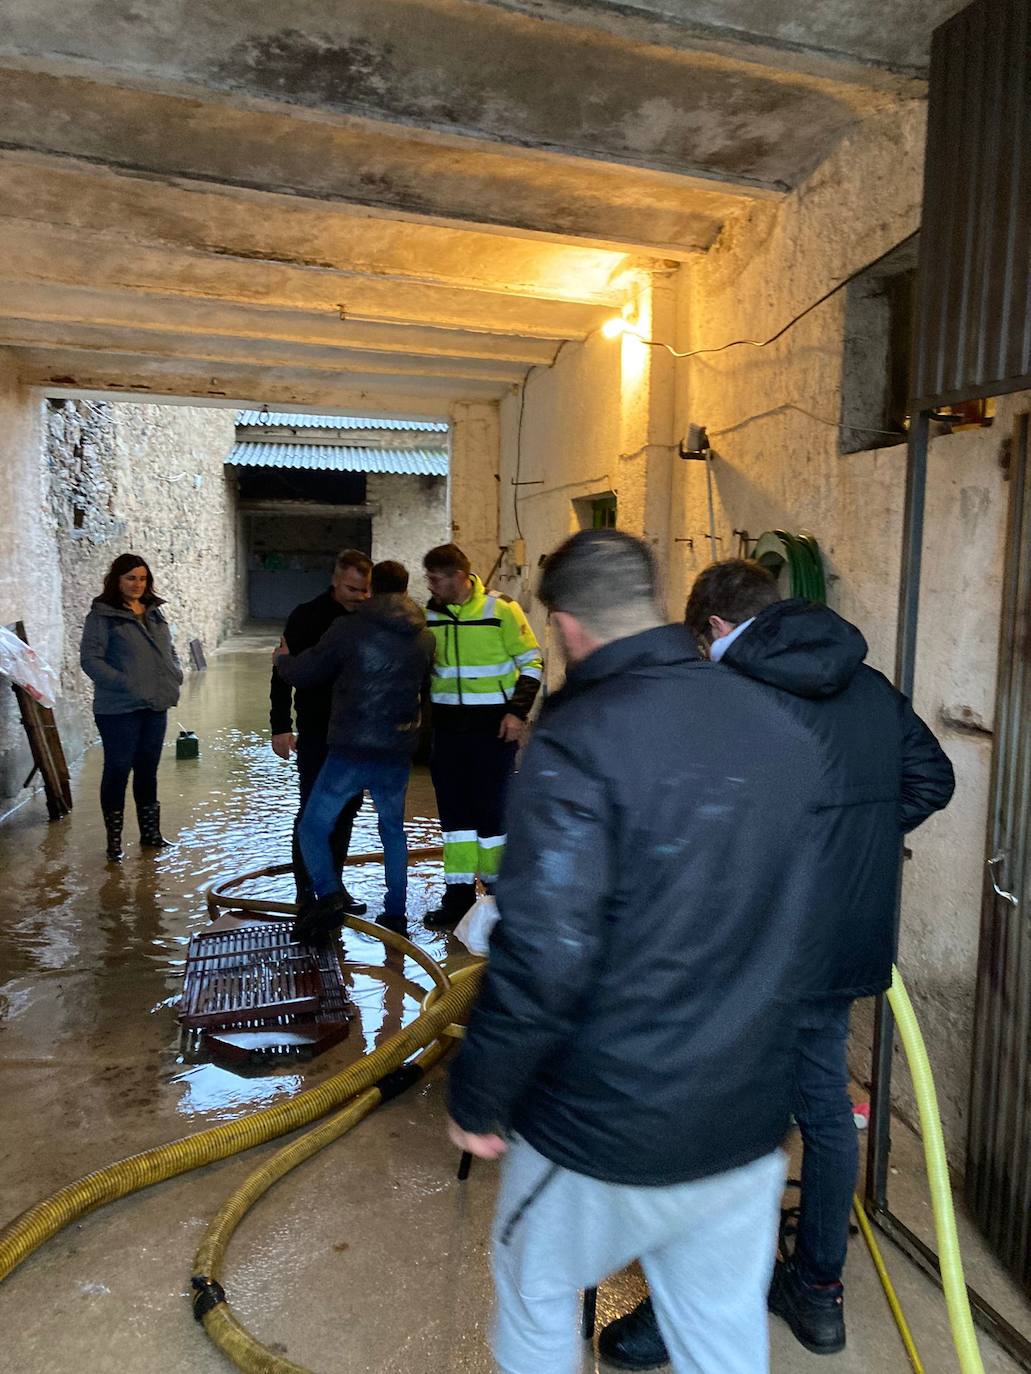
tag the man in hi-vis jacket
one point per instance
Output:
(486, 675)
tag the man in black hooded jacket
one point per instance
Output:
(630, 1054)
(887, 775)
(378, 662)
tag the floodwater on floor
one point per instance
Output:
(92, 953)
(370, 1258)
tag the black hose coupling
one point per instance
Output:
(207, 1293)
(394, 1084)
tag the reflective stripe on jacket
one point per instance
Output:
(483, 648)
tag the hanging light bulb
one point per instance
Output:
(615, 327)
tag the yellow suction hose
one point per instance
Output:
(953, 1282)
(887, 1285)
(45, 1219)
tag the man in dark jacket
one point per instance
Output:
(887, 774)
(631, 1050)
(378, 662)
(306, 626)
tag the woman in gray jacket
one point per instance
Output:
(127, 650)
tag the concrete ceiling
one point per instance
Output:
(317, 203)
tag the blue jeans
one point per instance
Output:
(830, 1156)
(132, 743)
(341, 778)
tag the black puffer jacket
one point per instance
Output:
(636, 1018)
(378, 660)
(886, 774)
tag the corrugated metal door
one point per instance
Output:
(998, 1179)
(973, 334)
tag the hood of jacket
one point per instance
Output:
(395, 612)
(800, 647)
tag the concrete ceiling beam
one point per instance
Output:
(217, 352)
(171, 317)
(35, 252)
(878, 43)
(533, 76)
(588, 198)
(70, 371)
(253, 225)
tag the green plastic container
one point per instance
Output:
(187, 746)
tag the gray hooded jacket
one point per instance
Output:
(131, 660)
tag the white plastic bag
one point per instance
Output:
(476, 925)
(23, 665)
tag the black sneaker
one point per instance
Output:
(816, 1315)
(634, 1341)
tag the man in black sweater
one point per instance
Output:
(311, 705)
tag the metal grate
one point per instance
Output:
(249, 974)
(251, 993)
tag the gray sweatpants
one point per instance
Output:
(707, 1249)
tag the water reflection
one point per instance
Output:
(91, 954)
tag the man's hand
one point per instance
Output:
(512, 729)
(482, 1146)
(284, 745)
(279, 650)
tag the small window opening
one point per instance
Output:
(879, 306)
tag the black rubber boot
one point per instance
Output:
(634, 1341)
(149, 817)
(317, 919)
(816, 1315)
(458, 898)
(113, 825)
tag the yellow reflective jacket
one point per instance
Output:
(486, 655)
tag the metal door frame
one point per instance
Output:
(875, 1201)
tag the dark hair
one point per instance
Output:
(353, 558)
(447, 558)
(125, 562)
(735, 589)
(603, 577)
(389, 577)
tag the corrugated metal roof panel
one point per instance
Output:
(288, 420)
(421, 462)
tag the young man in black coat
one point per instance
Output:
(887, 774)
(306, 625)
(631, 1052)
(377, 664)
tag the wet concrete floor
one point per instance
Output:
(371, 1257)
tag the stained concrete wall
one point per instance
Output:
(598, 422)
(30, 584)
(413, 517)
(473, 495)
(150, 479)
(778, 467)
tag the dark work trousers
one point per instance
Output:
(311, 755)
(132, 743)
(830, 1147)
(471, 773)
